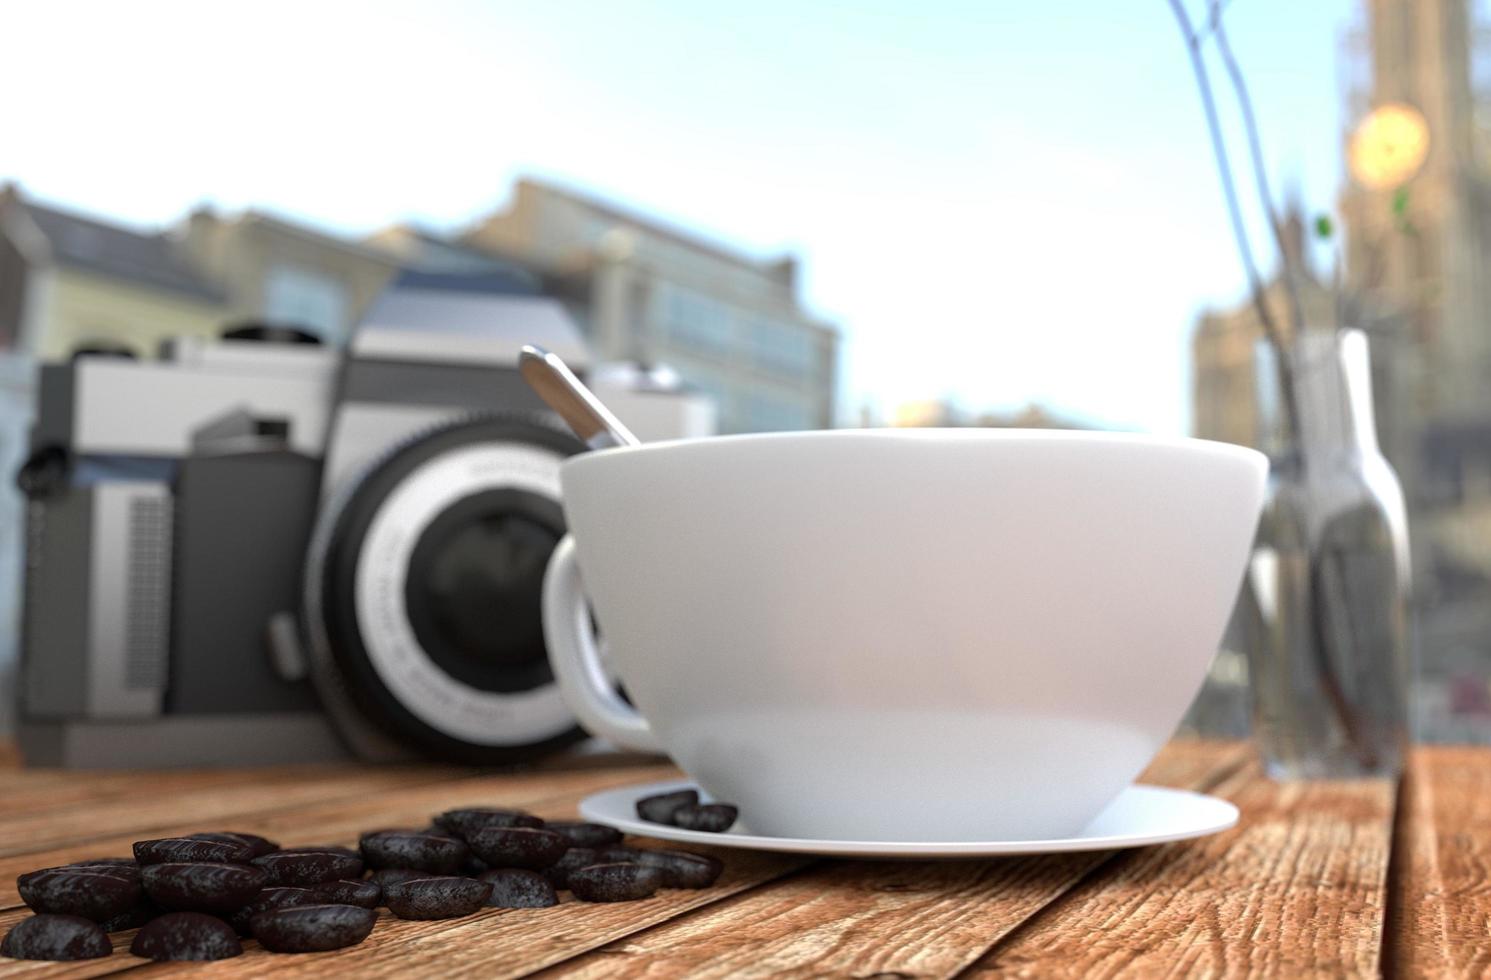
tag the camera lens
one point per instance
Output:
(426, 590)
(474, 586)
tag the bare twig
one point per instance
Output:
(1239, 230)
(1260, 170)
(1330, 683)
(1216, 18)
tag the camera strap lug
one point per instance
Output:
(285, 651)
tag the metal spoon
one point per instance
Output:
(548, 375)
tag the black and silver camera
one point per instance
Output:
(260, 550)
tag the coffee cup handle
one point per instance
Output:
(577, 662)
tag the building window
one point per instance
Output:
(295, 296)
(696, 322)
(783, 348)
(769, 413)
(718, 391)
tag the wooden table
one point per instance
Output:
(1318, 879)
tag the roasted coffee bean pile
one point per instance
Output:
(683, 809)
(198, 897)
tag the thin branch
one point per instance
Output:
(1331, 686)
(1260, 171)
(1239, 231)
(1216, 18)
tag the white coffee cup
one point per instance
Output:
(901, 635)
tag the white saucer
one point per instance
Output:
(1141, 815)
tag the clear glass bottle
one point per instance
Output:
(1327, 589)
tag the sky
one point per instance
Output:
(999, 202)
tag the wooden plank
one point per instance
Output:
(864, 918)
(28, 792)
(1298, 888)
(494, 942)
(505, 943)
(121, 960)
(1441, 890)
(341, 820)
(500, 943)
(155, 801)
(55, 790)
(548, 793)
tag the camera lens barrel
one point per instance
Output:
(424, 587)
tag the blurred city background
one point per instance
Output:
(945, 214)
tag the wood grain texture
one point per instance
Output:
(1298, 889)
(868, 918)
(156, 804)
(506, 943)
(121, 960)
(493, 943)
(339, 821)
(1441, 889)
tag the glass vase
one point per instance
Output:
(1327, 588)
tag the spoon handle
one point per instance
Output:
(548, 375)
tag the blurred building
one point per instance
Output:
(1225, 351)
(1424, 245)
(70, 281)
(1418, 279)
(644, 291)
(276, 271)
(416, 247)
(1425, 248)
(943, 413)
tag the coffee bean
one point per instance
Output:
(436, 898)
(186, 936)
(201, 886)
(518, 888)
(313, 928)
(712, 818)
(364, 894)
(259, 845)
(284, 896)
(133, 918)
(333, 848)
(659, 808)
(94, 894)
(55, 937)
(175, 850)
(306, 866)
(438, 855)
(105, 863)
(614, 882)
(517, 847)
(585, 834)
(573, 859)
(680, 869)
(130, 872)
(468, 820)
(125, 872)
(274, 897)
(393, 876)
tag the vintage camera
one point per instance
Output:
(261, 549)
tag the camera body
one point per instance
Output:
(256, 551)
